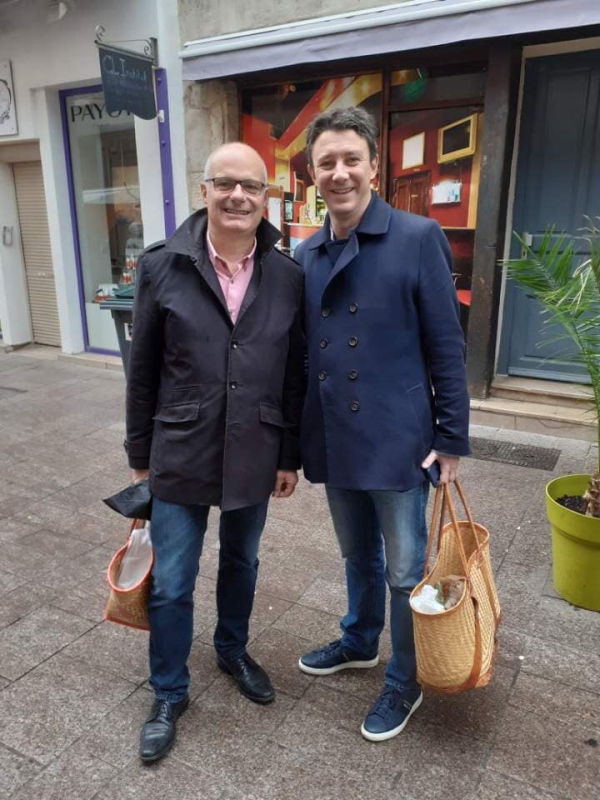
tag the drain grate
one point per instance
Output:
(518, 454)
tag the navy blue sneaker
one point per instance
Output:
(390, 713)
(332, 658)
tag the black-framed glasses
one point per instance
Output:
(227, 185)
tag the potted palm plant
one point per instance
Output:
(568, 289)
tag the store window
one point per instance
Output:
(106, 200)
(274, 121)
(435, 135)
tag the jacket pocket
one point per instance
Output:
(272, 416)
(181, 412)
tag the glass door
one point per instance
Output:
(105, 205)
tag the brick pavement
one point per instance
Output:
(73, 687)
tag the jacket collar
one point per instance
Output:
(374, 222)
(190, 238)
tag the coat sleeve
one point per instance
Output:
(143, 376)
(294, 391)
(444, 343)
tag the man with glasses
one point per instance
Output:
(214, 396)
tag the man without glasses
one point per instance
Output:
(214, 396)
(386, 398)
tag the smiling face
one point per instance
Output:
(343, 171)
(234, 214)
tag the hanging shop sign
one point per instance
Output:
(8, 112)
(127, 81)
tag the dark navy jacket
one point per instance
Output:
(386, 380)
(213, 408)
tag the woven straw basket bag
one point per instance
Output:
(128, 606)
(456, 648)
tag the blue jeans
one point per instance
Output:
(365, 523)
(177, 536)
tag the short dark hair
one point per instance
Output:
(343, 119)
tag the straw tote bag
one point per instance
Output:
(127, 602)
(456, 647)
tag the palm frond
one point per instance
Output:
(568, 292)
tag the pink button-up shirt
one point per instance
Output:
(234, 278)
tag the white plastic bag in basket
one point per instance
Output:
(137, 558)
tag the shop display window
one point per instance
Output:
(432, 156)
(274, 121)
(106, 200)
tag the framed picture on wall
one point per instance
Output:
(413, 151)
(457, 140)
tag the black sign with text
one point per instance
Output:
(128, 83)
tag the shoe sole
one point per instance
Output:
(346, 665)
(381, 737)
(262, 701)
(169, 747)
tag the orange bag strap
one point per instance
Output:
(467, 510)
(442, 504)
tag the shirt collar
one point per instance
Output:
(213, 255)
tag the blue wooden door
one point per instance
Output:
(558, 183)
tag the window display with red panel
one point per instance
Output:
(274, 121)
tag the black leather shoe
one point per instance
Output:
(252, 681)
(158, 733)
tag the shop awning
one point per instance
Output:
(411, 25)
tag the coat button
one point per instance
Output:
(233, 385)
(353, 374)
(322, 375)
(323, 344)
(325, 312)
(354, 405)
(353, 308)
(353, 341)
(235, 344)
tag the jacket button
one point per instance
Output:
(353, 308)
(354, 405)
(323, 344)
(235, 344)
(233, 385)
(353, 374)
(322, 375)
(353, 341)
(325, 312)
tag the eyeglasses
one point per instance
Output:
(227, 185)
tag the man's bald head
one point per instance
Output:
(237, 151)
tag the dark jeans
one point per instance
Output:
(369, 524)
(177, 536)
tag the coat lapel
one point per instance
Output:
(375, 222)
(208, 272)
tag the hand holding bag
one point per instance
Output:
(456, 647)
(129, 575)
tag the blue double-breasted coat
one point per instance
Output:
(386, 353)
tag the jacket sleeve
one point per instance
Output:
(143, 376)
(294, 391)
(444, 343)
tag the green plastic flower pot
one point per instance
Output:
(575, 545)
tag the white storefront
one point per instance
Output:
(81, 190)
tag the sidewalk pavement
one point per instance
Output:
(73, 688)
